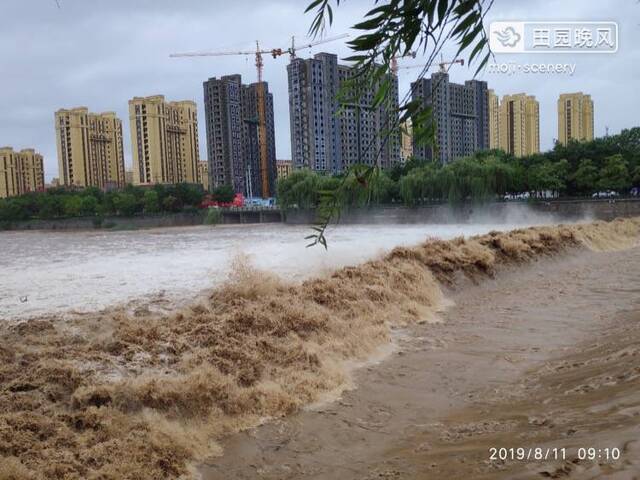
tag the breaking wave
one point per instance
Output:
(145, 395)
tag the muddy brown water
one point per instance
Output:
(543, 356)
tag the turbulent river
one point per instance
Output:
(60, 272)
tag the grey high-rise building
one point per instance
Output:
(233, 138)
(460, 113)
(328, 136)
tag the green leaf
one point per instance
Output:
(370, 24)
(443, 7)
(313, 5)
(465, 24)
(477, 49)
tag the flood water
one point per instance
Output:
(59, 272)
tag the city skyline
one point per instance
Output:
(138, 64)
(476, 94)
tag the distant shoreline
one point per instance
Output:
(556, 210)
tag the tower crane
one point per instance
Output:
(262, 120)
(442, 65)
(394, 62)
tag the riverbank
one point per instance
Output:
(145, 394)
(110, 223)
(538, 212)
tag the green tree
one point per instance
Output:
(635, 177)
(298, 190)
(12, 210)
(409, 186)
(171, 204)
(72, 206)
(50, 206)
(214, 216)
(384, 189)
(187, 193)
(125, 204)
(586, 176)
(548, 176)
(88, 205)
(499, 175)
(615, 174)
(93, 192)
(223, 194)
(151, 201)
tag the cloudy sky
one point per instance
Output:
(101, 53)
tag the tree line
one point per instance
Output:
(132, 200)
(578, 169)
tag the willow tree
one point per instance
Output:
(394, 29)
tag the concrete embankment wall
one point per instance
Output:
(251, 216)
(116, 223)
(503, 212)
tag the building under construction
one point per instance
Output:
(233, 135)
(461, 115)
(329, 136)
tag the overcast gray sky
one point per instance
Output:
(101, 53)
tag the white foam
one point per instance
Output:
(61, 272)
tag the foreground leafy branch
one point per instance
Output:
(394, 29)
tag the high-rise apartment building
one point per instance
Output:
(20, 172)
(329, 136)
(285, 167)
(203, 174)
(519, 125)
(128, 177)
(90, 149)
(494, 120)
(575, 117)
(164, 141)
(460, 113)
(233, 135)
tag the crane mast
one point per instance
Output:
(262, 126)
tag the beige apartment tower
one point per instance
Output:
(284, 168)
(494, 120)
(20, 172)
(90, 150)
(519, 125)
(406, 141)
(203, 174)
(164, 141)
(575, 117)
